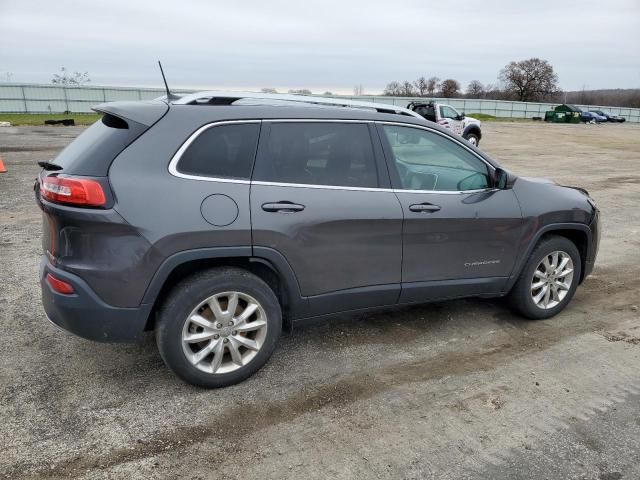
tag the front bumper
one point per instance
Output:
(85, 314)
(595, 244)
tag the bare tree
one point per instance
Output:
(393, 89)
(422, 86)
(358, 90)
(475, 89)
(6, 77)
(75, 79)
(407, 89)
(532, 79)
(268, 90)
(493, 91)
(432, 85)
(449, 88)
(301, 91)
(327, 93)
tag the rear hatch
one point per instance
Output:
(93, 151)
(82, 233)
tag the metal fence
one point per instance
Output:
(31, 98)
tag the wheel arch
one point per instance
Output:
(579, 234)
(475, 129)
(269, 266)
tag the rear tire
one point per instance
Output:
(554, 266)
(218, 327)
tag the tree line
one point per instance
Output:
(526, 80)
(531, 80)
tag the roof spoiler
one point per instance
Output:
(144, 113)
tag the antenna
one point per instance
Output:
(170, 96)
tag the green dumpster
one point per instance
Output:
(566, 114)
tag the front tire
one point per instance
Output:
(549, 279)
(218, 327)
(473, 139)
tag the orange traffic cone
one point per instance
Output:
(3, 169)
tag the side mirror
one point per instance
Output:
(500, 179)
(461, 116)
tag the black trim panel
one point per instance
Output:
(447, 289)
(354, 298)
(179, 258)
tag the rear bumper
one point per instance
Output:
(83, 313)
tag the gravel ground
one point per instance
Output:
(456, 390)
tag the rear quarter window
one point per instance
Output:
(221, 151)
(92, 152)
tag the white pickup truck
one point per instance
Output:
(449, 117)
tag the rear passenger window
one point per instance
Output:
(224, 151)
(310, 153)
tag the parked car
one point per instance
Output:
(608, 116)
(216, 218)
(591, 117)
(467, 127)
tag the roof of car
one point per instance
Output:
(211, 98)
(201, 113)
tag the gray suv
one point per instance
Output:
(214, 219)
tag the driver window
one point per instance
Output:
(448, 112)
(427, 161)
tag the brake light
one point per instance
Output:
(60, 286)
(75, 191)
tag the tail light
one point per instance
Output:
(78, 191)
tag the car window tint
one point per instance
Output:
(225, 151)
(427, 161)
(330, 153)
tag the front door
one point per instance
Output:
(459, 234)
(316, 199)
(451, 118)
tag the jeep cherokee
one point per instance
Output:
(214, 218)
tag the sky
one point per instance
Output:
(320, 45)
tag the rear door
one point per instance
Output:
(460, 234)
(320, 197)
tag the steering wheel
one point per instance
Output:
(469, 179)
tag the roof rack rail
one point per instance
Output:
(251, 98)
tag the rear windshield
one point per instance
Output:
(94, 150)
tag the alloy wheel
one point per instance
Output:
(552, 280)
(224, 332)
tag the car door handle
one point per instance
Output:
(424, 207)
(284, 206)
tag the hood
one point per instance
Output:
(472, 121)
(540, 180)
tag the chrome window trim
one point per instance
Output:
(173, 163)
(176, 158)
(316, 120)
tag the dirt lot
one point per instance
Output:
(458, 390)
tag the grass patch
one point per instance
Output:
(39, 118)
(485, 117)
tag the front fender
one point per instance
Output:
(533, 240)
(475, 129)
